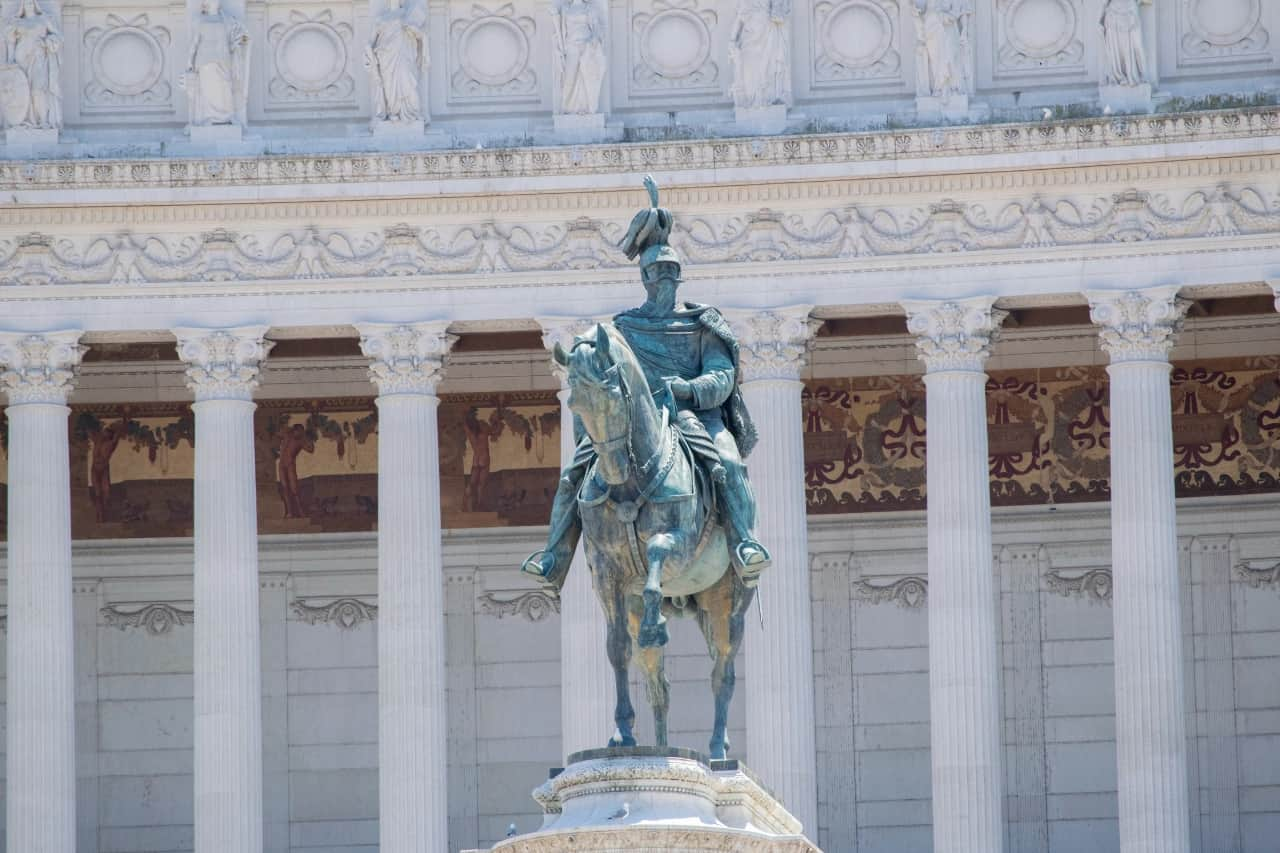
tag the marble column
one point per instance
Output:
(953, 340)
(1137, 330)
(37, 371)
(222, 371)
(406, 363)
(586, 678)
(779, 653)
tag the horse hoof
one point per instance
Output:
(652, 635)
(619, 739)
(719, 751)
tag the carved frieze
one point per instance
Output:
(1093, 585)
(127, 64)
(1258, 573)
(492, 49)
(911, 592)
(344, 613)
(157, 619)
(533, 606)
(672, 43)
(310, 54)
(856, 41)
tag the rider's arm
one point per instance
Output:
(713, 387)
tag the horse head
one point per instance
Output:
(601, 384)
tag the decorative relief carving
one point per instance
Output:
(397, 56)
(672, 45)
(1093, 585)
(1124, 57)
(127, 63)
(856, 40)
(911, 592)
(1039, 35)
(944, 66)
(1216, 29)
(848, 231)
(533, 606)
(581, 29)
(156, 619)
(1258, 576)
(217, 75)
(346, 613)
(31, 78)
(310, 58)
(760, 54)
(492, 49)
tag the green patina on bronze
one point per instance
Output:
(657, 488)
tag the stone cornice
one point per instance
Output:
(1102, 133)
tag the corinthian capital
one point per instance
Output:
(39, 368)
(406, 358)
(773, 344)
(1137, 325)
(954, 334)
(223, 364)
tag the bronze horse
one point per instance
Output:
(653, 538)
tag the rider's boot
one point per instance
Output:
(750, 558)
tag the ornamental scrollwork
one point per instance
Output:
(156, 619)
(1093, 585)
(533, 606)
(1258, 576)
(911, 592)
(126, 64)
(345, 613)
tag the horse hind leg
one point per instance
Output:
(721, 612)
(653, 627)
(653, 662)
(618, 643)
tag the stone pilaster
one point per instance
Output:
(37, 371)
(406, 363)
(953, 339)
(779, 655)
(586, 678)
(222, 371)
(1137, 330)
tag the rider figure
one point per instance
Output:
(690, 358)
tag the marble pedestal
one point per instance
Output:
(31, 136)
(760, 121)
(1126, 99)
(611, 800)
(212, 134)
(580, 128)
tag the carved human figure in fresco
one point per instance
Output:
(217, 75)
(942, 47)
(579, 46)
(104, 440)
(479, 434)
(1124, 59)
(293, 441)
(396, 58)
(30, 82)
(760, 55)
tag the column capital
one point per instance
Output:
(406, 358)
(1137, 325)
(773, 342)
(223, 364)
(563, 331)
(954, 334)
(39, 367)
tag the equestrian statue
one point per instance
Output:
(657, 486)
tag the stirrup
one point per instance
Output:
(749, 572)
(540, 564)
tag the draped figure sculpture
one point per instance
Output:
(217, 76)
(942, 47)
(30, 84)
(1124, 59)
(579, 38)
(397, 56)
(760, 55)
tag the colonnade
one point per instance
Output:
(1137, 330)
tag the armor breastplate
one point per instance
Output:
(669, 347)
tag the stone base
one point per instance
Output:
(950, 108)
(1125, 99)
(31, 136)
(760, 121)
(209, 134)
(398, 129)
(610, 800)
(580, 128)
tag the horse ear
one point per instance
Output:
(561, 357)
(602, 340)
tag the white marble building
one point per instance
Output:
(333, 238)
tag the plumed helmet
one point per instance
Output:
(649, 231)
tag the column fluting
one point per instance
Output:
(781, 738)
(1137, 330)
(40, 791)
(406, 363)
(586, 678)
(953, 340)
(222, 371)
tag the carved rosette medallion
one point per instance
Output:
(856, 41)
(1215, 30)
(954, 335)
(672, 44)
(223, 364)
(773, 344)
(492, 49)
(1039, 36)
(126, 58)
(39, 368)
(406, 358)
(310, 59)
(1138, 325)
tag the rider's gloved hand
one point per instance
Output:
(681, 389)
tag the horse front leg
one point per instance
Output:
(618, 645)
(653, 627)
